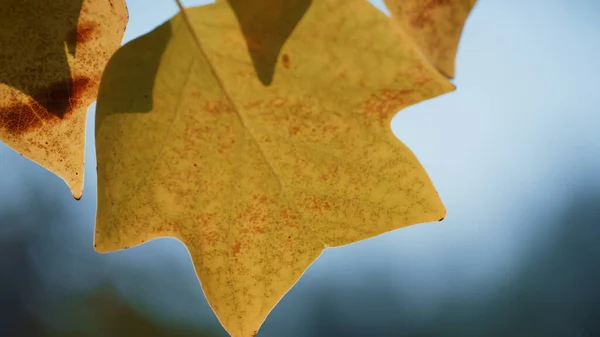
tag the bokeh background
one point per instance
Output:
(514, 153)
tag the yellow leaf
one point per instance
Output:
(257, 180)
(52, 56)
(435, 26)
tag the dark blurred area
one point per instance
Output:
(553, 293)
(30, 306)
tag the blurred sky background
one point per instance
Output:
(514, 153)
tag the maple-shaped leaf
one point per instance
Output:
(434, 25)
(257, 180)
(52, 54)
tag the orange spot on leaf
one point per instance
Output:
(278, 102)
(54, 103)
(385, 104)
(294, 130)
(236, 248)
(424, 16)
(285, 60)
(86, 31)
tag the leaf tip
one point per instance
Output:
(76, 186)
(100, 247)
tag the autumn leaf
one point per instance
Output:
(257, 180)
(434, 25)
(52, 57)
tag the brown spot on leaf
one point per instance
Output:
(59, 98)
(423, 14)
(86, 31)
(294, 130)
(217, 108)
(285, 60)
(441, 219)
(82, 33)
(278, 101)
(236, 248)
(51, 104)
